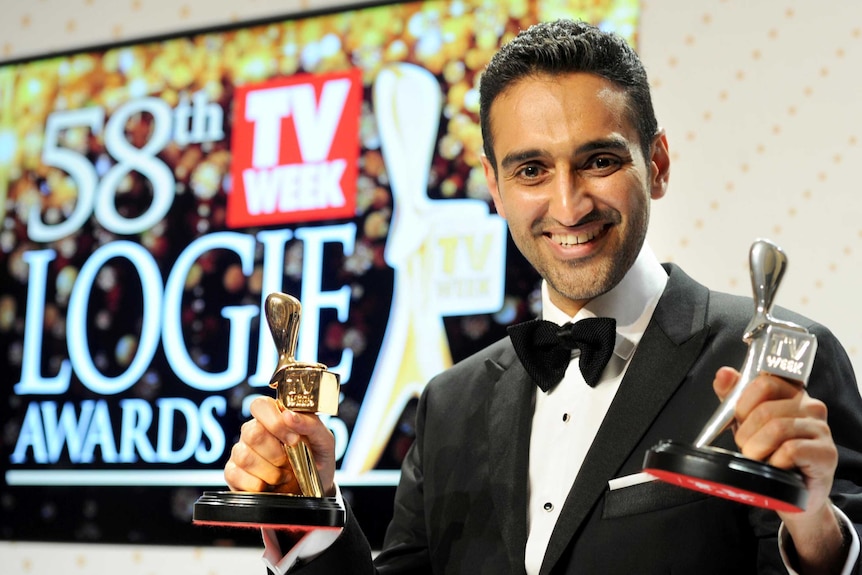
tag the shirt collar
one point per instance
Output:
(631, 302)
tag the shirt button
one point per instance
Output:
(549, 506)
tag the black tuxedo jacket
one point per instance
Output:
(461, 506)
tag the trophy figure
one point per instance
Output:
(300, 387)
(777, 347)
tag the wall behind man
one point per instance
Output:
(762, 104)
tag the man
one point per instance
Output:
(504, 477)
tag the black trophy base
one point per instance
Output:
(274, 510)
(727, 474)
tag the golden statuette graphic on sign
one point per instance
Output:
(448, 257)
(301, 387)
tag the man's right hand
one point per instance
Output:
(258, 461)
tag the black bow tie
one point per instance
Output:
(545, 348)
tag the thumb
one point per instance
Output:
(724, 382)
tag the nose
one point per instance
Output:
(570, 199)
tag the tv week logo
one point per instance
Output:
(295, 148)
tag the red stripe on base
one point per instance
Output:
(724, 491)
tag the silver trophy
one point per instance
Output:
(774, 346)
(302, 387)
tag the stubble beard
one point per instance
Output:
(580, 281)
(583, 280)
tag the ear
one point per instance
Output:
(659, 164)
(491, 179)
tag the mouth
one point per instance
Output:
(568, 239)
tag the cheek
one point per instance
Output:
(523, 211)
(627, 196)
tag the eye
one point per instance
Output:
(530, 171)
(604, 164)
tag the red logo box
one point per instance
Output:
(295, 150)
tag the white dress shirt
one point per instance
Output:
(567, 417)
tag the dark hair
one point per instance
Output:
(562, 47)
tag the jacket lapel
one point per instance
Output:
(671, 344)
(510, 412)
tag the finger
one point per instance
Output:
(241, 478)
(320, 440)
(815, 457)
(800, 405)
(313, 430)
(257, 438)
(238, 479)
(271, 467)
(248, 471)
(724, 382)
(267, 412)
(767, 443)
(764, 388)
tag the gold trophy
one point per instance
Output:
(301, 387)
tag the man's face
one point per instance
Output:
(572, 181)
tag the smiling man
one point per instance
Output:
(572, 181)
(521, 468)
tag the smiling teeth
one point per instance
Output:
(572, 239)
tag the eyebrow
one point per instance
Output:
(520, 156)
(614, 143)
(611, 143)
